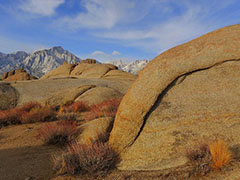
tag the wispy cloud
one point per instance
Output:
(103, 56)
(195, 20)
(116, 53)
(105, 14)
(40, 7)
(8, 45)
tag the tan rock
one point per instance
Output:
(117, 74)
(4, 75)
(92, 130)
(99, 94)
(89, 61)
(67, 95)
(60, 72)
(86, 70)
(186, 93)
(8, 96)
(20, 76)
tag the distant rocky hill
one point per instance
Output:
(132, 67)
(41, 62)
(37, 63)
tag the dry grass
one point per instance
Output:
(74, 107)
(105, 109)
(93, 159)
(221, 155)
(198, 153)
(14, 116)
(39, 114)
(60, 133)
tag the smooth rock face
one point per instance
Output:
(60, 72)
(188, 93)
(67, 95)
(82, 70)
(99, 94)
(95, 129)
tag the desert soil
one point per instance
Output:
(23, 156)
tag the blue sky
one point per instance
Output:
(110, 29)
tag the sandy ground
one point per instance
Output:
(22, 156)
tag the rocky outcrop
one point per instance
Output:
(186, 94)
(95, 129)
(99, 94)
(86, 70)
(60, 72)
(8, 96)
(17, 75)
(89, 61)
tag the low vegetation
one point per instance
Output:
(15, 115)
(207, 156)
(39, 114)
(74, 107)
(60, 133)
(105, 109)
(92, 159)
(221, 155)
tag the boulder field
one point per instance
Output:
(186, 95)
(90, 83)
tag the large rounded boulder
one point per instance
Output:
(8, 96)
(185, 95)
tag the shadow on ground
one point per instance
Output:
(26, 162)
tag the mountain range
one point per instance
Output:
(41, 62)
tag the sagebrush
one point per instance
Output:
(92, 159)
(60, 133)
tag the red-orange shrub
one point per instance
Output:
(60, 133)
(105, 109)
(221, 155)
(41, 114)
(93, 159)
(29, 106)
(74, 107)
(10, 117)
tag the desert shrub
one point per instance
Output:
(27, 113)
(41, 114)
(198, 153)
(93, 159)
(74, 107)
(10, 117)
(29, 106)
(221, 155)
(200, 159)
(67, 116)
(60, 133)
(105, 109)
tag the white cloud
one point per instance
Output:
(116, 53)
(100, 55)
(196, 19)
(105, 14)
(40, 7)
(105, 57)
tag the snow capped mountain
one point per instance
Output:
(132, 67)
(11, 61)
(41, 62)
(136, 66)
(38, 62)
